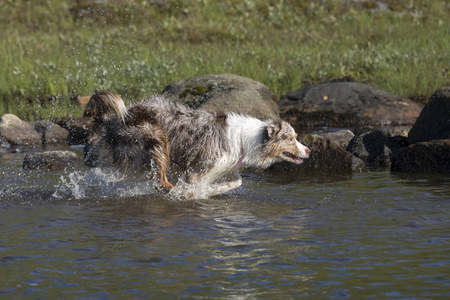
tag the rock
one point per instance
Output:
(346, 104)
(51, 160)
(397, 131)
(424, 157)
(341, 137)
(225, 92)
(18, 132)
(433, 122)
(376, 147)
(326, 157)
(4, 144)
(52, 134)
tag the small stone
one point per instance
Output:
(341, 137)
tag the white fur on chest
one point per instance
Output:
(245, 135)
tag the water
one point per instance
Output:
(78, 235)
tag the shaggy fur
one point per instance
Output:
(193, 145)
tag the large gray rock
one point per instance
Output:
(226, 92)
(18, 132)
(434, 120)
(51, 160)
(424, 157)
(326, 157)
(376, 147)
(346, 104)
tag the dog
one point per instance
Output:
(180, 143)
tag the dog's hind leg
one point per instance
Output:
(160, 152)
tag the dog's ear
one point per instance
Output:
(272, 129)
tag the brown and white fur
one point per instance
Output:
(196, 146)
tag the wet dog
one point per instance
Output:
(179, 143)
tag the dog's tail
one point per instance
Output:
(100, 105)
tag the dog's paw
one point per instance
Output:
(164, 187)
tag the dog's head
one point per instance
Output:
(280, 143)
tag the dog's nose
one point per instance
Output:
(307, 151)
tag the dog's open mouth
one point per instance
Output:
(292, 157)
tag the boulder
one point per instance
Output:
(376, 147)
(396, 131)
(18, 132)
(341, 137)
(51, 160)
(226, 92)
(52, 134)
(326, 157)
(346, 104)
(433, 122)
(424, 157)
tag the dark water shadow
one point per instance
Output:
(310, 177)
(436, 183)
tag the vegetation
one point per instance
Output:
(53, 51)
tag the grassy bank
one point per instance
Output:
(52, 51)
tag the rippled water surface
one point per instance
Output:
(78, 235)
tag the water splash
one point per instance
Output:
(98, 183)
(36, 186)
(186, 191)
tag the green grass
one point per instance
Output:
(50, 54)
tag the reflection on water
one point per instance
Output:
(80, 235)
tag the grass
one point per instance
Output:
(53, 51)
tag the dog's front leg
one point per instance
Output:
(225, 187)
(231, 182)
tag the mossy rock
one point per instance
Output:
(225, 92)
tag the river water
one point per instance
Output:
(76, 234)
